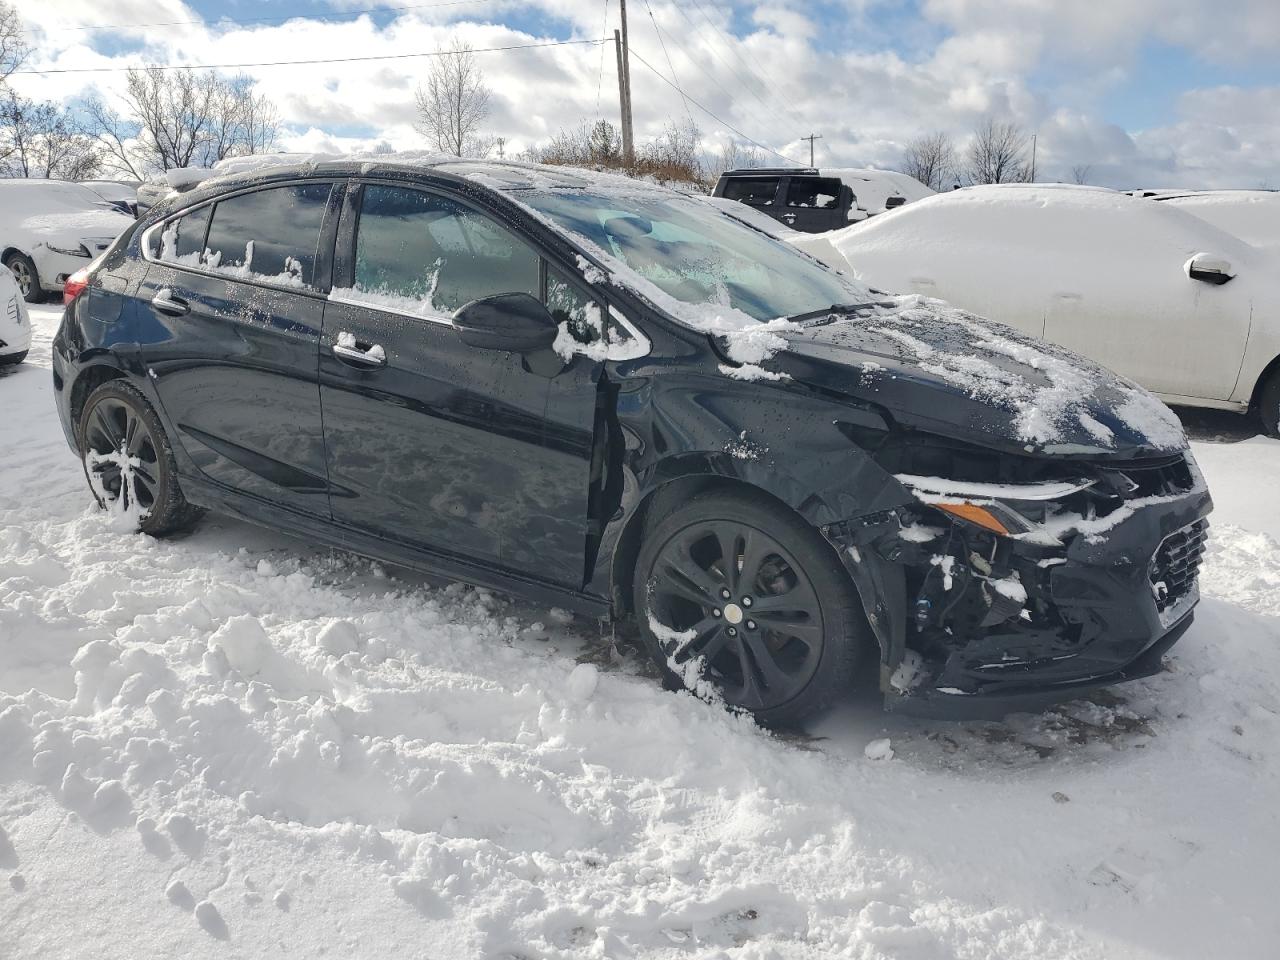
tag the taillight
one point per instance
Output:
(75, 285)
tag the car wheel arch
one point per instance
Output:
(90, 379)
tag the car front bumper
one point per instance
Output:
(1108, 606)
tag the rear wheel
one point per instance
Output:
(736, 590)
(129, 463)
(1269, 405)
(24, 271)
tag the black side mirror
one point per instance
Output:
(509, 321)
(1209, 269)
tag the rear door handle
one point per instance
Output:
(349, 351)
(166, 302)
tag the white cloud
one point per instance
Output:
(775, 84)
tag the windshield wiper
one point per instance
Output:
(834, 309)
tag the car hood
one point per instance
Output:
(936, 368)
(69, 228)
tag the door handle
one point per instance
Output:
(348, 351)
(166, 302)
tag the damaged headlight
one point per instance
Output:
(1005, 509)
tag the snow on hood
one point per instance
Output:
(51, 211)
(1016, 389)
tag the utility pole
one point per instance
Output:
(811, 137)
(624, 87)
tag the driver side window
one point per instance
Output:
(426, 254)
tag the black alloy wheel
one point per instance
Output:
(128, 462)
(755, 600)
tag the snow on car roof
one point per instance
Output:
(1251, 215)
(1078, 213)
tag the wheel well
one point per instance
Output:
(8, 252)
(88, 381)
(666, 497)
(1271, 370)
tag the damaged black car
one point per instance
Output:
(607, 397)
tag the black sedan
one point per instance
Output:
(605, 396)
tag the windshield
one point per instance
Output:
(698, 254)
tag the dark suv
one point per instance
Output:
(803, 199)
(601, 395)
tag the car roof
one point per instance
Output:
(504, 176)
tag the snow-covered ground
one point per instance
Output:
(233, 744)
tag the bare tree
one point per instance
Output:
(13, 46)
(998, 154)
(733, 156)
(1081, 173)
(181, 118)
(931, 159)
(454, 101)
(42, 140)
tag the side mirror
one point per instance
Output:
(509, 321)
(1209, 269)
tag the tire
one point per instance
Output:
(784, 664)
(142, 489)
(24, 271)
(13, 359)
(1269, 406)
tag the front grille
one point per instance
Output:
(1177, 563)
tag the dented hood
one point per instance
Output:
(936, 368)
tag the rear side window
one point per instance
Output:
(182, 240)
(757, 190)
(268, 235)
(820, 193)
(426, 254)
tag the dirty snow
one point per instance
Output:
(234, 744)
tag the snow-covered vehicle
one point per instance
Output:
(614, 399)
(1251, 215)
(49, 229)
(15, 324)
(815, 201)
(1157, 294)
(122, 194)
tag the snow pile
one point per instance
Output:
(232, 744)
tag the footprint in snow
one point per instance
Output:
(211, 920)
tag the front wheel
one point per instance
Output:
(734, 589)
(129, 463)
(1269, 406)
(24, 271)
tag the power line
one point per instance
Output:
(734, 50)
(328, 18)
(738, 76)
(657, 73)
(604, 28)
(778, 121)
(658, 32)
(301, 63)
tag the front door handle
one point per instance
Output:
(348, 350)
(166, 302)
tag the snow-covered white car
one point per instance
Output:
(15, 324)
(49, 229)
(1251, 215)
(120, 193)
(1166, 298)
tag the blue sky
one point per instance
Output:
(1142, 90)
